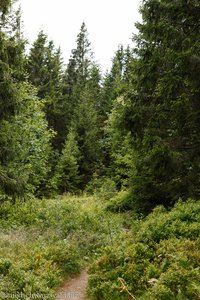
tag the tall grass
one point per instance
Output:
(44, 241)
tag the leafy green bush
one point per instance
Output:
(104, 187)
(121, 202)
(159, 261)
(44, 241)
(37, 245)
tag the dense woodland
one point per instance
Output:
(131, 134)
(72, 128)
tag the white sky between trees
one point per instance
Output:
(109, 23)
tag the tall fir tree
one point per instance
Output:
(67, 175)
(81, 90)
(44, 69)
(87, 124)
(114, 82)
(11, 53)
(162, 107)
(77, 72)
(24, 138)
(115, 153)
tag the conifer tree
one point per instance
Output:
(163, 110)
(114, 144)
(29, 143)
(4, 8)
(77, 72)
(11, 54)
(81, 91)
(45, 72)
(67, 177)
(24, 138)
(87, 125)
(11, 58)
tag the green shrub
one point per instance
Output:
(121, 202)
(160, 260)
(44, 241)
(103, 187)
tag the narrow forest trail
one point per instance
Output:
(103, 228)
(74, 288)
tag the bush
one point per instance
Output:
(44, 241)
(104, 187)
(159, 261)
(121, 202)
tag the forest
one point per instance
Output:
(101, 170)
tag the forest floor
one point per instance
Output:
(75, 248)
(74, 287)
(44, 243)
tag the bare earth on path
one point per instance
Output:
(74, 288)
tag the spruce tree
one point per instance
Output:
(81, 91)
(24, 138)
(4, 8)
(162, 107)
(45, 72)
(11, 56)
(67, 177)
(77, 72)
(114, 143)
(87, 125)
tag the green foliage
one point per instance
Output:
(123, 201)
(103, 187)
(118, 156)
(157, 259)
(23, 156)
(81, 96)
(86, 126)
(121, 153)
(44, 68)
(36, 248)
(44, 241)
(162, 110)
(27, 148)
(66, 177)
(4, 7)
(115, 81)
(11, 57)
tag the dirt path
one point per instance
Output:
(74, 288)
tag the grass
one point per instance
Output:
(44, 241)
(159, 258)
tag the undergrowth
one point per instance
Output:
(158, 258)
(44, 241)
(129, 256)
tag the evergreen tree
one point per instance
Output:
(114, 82)
(28, 142)
(24, 138)
(120, 166)
(67, 177)
(77, 73)
(37, 64)
(87, 125)
(11, 57)
(82, 55)
(4, 8)
(116, 156)
(45, 72)
(81, 99)
(162, 109)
